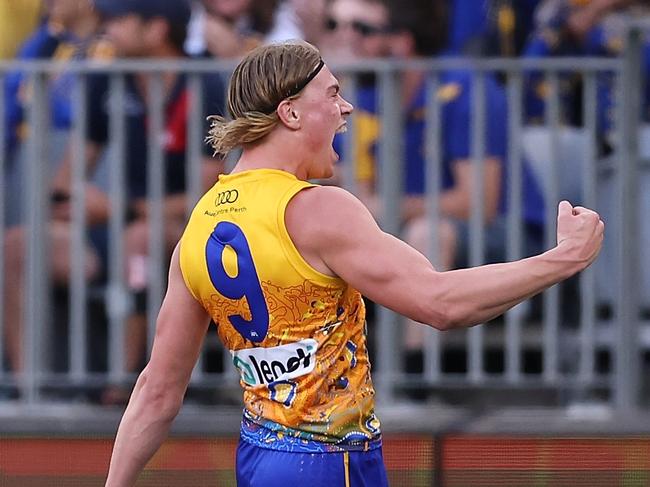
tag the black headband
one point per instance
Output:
(297, 88)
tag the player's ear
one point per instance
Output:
(289, 115)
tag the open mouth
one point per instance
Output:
(335, 154)
(342, 129)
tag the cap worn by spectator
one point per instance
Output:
(174, 11)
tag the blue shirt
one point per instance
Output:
(467, 19)
(456, 95)
(549, 41)
(45, 44)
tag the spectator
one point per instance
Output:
(489, 27)
(169, 21)
(578, 29)
(411, 24)
(571, 28)
(311, 18)
(509, 25)
(70, 33)
(355, 30)
(228, 29)
(137, 29)
(467, 25)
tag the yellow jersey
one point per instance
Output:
(296, 335)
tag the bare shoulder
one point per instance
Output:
(322, 194)
(323, 219)
(324, 211)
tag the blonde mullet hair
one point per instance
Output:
(225, 135)
(264, 78)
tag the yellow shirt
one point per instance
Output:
(297, 336)
(18, 19)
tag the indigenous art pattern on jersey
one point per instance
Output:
(296, 336)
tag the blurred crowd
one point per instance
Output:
(344, 30)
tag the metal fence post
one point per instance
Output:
(390, 179)
(118, 305)
(156, 173)
(551, 330)
(475, 336)
(433, 142)
(37, 276)
(626, 359)
(77, 336)
(586, 370)
(513, 319)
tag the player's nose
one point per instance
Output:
(346, 107)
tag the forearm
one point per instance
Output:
(479, 294)
(455, 204)
(457, 201)
(452, 203)
(143, 429)
(97, 205)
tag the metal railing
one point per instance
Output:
(619, 333)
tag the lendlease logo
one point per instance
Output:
(262, 366)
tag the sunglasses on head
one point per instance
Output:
(360, 27)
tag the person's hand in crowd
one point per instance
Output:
(311, 14)
(583, 19)
(224, 41)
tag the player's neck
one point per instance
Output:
(273, 153)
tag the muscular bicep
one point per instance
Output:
(180, 329)
(341, 234)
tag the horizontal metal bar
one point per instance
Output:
(92, 380)
(577, 64)
(497, 381)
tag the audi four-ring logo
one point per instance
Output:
(224, 197)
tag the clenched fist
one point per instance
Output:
(580, 231)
